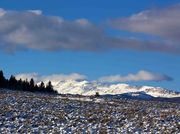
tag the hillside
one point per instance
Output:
(25, 112)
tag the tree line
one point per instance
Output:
(25, 85)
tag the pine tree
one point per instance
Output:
(2, 80)
(42, 86)
(26, 85)
(31, 85)
(20, 84)
(49, 88)
(32, 82)
(12, 82)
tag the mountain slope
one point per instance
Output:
(90, 88)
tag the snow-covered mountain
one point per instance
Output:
(90, 88)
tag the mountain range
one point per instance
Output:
(91, 88)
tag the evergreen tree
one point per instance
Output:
(31, 85)
(49, 86)
(32, 82)
(26, 85)
(20, 84)
(42, 86)
(36, 88)
(2, 80)
(12, 82)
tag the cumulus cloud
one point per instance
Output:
(2, 12)
(54, 78)
(139, 76)
(163, 23)
(31, 29)
(38, 12)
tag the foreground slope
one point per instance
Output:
(23, 112)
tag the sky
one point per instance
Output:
(106, 41)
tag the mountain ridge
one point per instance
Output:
(85, 87)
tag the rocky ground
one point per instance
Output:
(23, 112)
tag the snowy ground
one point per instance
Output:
(37, 113)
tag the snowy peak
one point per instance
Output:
(159, 92)
(90, 88)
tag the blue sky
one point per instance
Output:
(98, 63)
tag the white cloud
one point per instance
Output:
(2, 12)
(37, 12)
(139, 76)
(163, 22)
(54, 78)
(33, 30)
(63, 77)
(21, 30)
